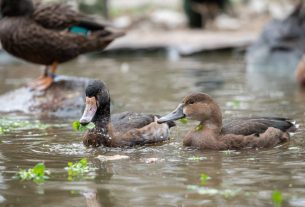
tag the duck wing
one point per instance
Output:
(58, 16)
(126, 121)
(39, 45)
(256, 125)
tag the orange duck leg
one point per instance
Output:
(46, 80)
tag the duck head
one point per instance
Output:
(11, 8)
(197, 106)
(97, 107)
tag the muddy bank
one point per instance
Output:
(65, 98)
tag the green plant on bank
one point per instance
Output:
(78, 169)
(203, 179)
(81, 128)
(277, 198)
(38, 173)
(7, 125)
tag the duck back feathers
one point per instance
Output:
(256, 125)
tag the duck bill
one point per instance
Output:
(175, 115)
(90, 110)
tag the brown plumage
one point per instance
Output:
(238, 133)
(300, 72)
(42, 33)
(125, 129)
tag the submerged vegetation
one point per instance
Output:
(81, 128)
(38, 173)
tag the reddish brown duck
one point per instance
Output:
(49, 34)
(239, 133)
(300, 72)
(125, 129)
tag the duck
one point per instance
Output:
(236, 134)
(300, 72)
(49, 34)
(125, 129)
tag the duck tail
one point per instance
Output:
(100, 39)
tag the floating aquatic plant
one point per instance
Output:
(235, 104)
(277, 198)
(7, 125)
(38, 173)
(81, 128)
(203, 178)
(184, 120)
(78, 169)
(196, 158)
(199, 127)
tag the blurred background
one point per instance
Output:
(182, 14)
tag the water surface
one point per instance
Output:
(157, 84)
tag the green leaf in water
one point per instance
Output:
(277, 198)
(196, 158)
(78, 169)
(184, 120)
(233, 104)
(38, 173)
(81, 128)
(203, 178)
(199, 127)
(7, 125)
(76, 125)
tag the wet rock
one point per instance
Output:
(64, 98)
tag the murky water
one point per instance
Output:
(156, 84)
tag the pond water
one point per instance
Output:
(167, 174)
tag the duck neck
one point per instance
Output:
(213, 124)
(102, 121)
(210, 127)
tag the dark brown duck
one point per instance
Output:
(49, 34)
(238, 133)
(119, 130)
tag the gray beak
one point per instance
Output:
(89, 112)
(175, 115)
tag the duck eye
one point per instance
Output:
(190, 101)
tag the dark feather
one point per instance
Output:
(59, 16)
(256, 125)
(43, 37)
(126, 121)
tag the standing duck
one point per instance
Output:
(49, 34)
(260, 132)
(119, 130)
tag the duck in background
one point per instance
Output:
(119, 130)
(238, 133)
(49, 34)
(273, 57)
(300, 72)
